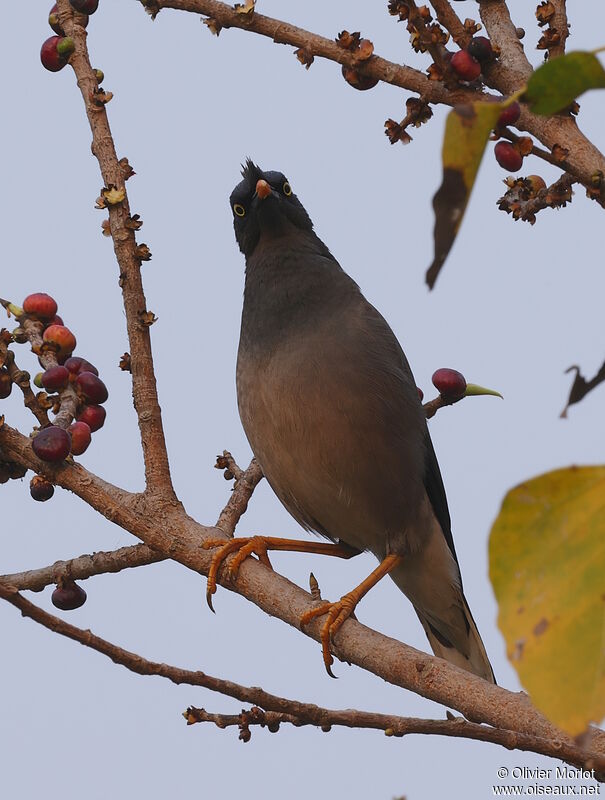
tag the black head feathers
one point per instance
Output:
(263, 203)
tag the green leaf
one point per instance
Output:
(467, 130)
(557, 83)
(547, 567)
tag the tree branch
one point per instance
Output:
(138, 555)
(83, 567)
(451, 22)
(22, 380)
(167, 529)
(238, 502)
(303, 713)
(559, 23)
(584, 158)
(144, 389)
(503, 34)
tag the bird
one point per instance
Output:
(332, 413)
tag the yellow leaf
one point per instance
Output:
(547, 567)
(467, 130)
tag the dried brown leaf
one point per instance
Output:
(304, 56)
(245, 8)
(213, 26)
(560, 153)
(147, 318)
(125, 364)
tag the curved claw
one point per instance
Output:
(337, 613)
(242, 548)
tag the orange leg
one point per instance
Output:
(259, 545)
(340, 611)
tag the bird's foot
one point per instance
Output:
(336, 613)
(258, 546)
(340, 611)
(254, 545)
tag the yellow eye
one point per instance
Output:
(287, 189)
(239, 210)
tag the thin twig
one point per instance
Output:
(301, 714)
(22, 380)
(83, 567)
(306, 713)
(238, 502)
(144, 389)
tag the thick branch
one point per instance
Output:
(144, 389)
(304, 713)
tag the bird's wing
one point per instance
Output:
(435, 490)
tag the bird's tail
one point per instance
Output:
(473, 658)
(431, 580)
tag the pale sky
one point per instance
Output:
(513, 308)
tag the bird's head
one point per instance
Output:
(263, 204)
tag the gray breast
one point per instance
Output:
(331, 412)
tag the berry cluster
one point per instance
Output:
(467, 65)
(56, 50)
(54, 443)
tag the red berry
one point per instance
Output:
(62, 338)
(85, 6)
(510, 114)
(56, 320)
(55, 52)
(53, 20)
(92, 388)
(80, 437)
(52, 444)
(75, 365)
(357, 79)
(450, 383)
(508, 156)
(420, 393)
(480, 48)
(68, 596)
(41, 489)
(55, 378)
(6, 384)
(40, 305)
(93, 416)
(467, 67)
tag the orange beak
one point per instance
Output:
(262, 189)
